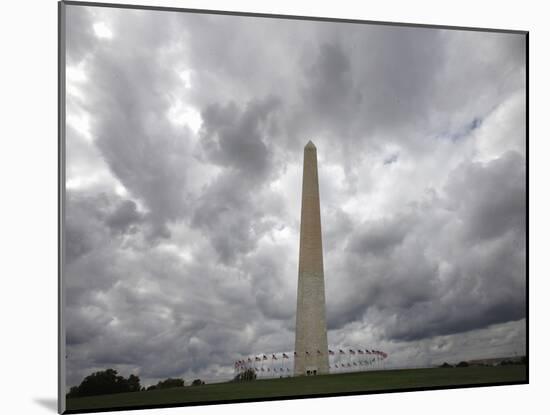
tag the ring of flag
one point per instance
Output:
(246, 363)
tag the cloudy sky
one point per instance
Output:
(184, 146)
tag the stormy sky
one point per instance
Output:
(184, 146)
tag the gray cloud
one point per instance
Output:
(441, 285)
(376, 238)
(497, 202)
(236, 139)
(124, 216)
(129, 101)
(227, 209)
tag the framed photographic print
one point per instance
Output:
(259, 207)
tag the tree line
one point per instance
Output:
(505, 362)
(108, 381)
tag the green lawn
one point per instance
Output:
(322, 385)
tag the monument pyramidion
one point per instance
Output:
(311, 347)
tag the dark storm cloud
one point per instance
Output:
(356, 89)
(227, 217)
(182, 242)
(84, 324)
(129, 101)
(238, 140)
(393, 96)
(82, 211)
(391, 159)
(427, 284)
(457, 320)
(378, 237)
(124, 216)
(497, 202)
(79, 35)
(91, 246)
(77, 242)
(273, 297)
(131, 313)
(336, 228)
(330, 89)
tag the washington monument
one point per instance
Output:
(311, 345)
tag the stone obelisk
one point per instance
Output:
(311, 345)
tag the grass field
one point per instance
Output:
(318, 385)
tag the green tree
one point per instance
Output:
(170, 383)
(73, 392)
(105, 382)
(133, 383)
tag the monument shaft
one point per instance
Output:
(311, 345)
